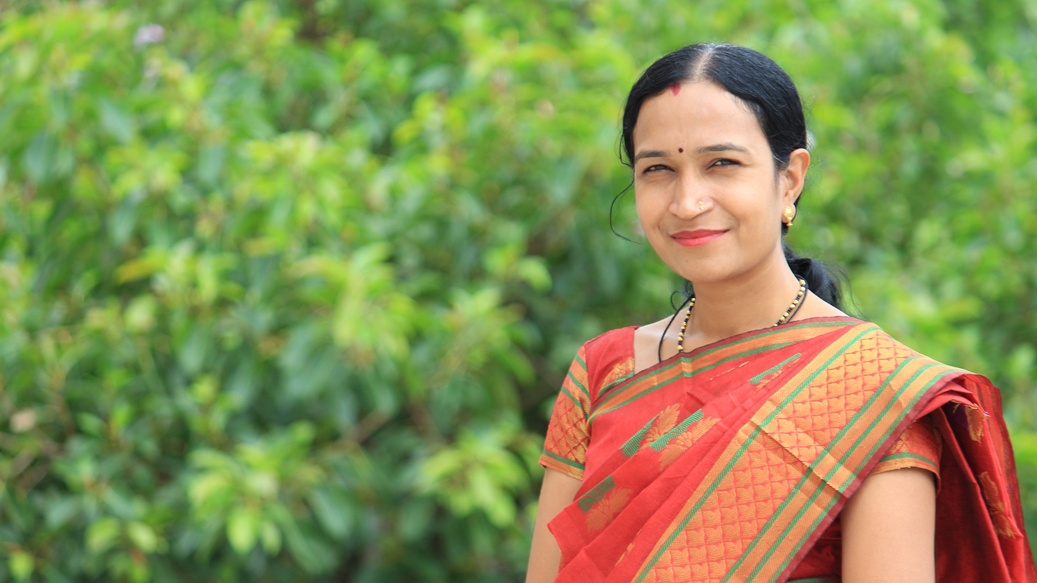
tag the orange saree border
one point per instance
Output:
(629, 388)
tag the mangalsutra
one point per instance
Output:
(785, 317)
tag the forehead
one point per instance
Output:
(697, 113)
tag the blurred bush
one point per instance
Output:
(286, 287)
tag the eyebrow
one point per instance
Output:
(649, 154)
(722, 147)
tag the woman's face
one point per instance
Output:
(709, 197)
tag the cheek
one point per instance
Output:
(650, 210)
(641, 204)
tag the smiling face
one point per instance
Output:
(709, 195)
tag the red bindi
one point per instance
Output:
(681, 150)
(675, 88)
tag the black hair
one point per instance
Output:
(767, 91)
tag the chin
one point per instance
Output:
(704, 274)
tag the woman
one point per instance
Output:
(761, 434)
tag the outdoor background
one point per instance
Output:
(287, 287)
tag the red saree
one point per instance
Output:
(753, 445)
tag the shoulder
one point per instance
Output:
(877, 346)
(815, 307)
(618, 340)
(870, 336)
(606, 357)
(895, 365)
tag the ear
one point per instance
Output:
(794, 176)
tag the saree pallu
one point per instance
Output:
(757, 444)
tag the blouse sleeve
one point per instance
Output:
(920, 446)
(568, 433)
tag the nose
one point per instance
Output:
(689, 201)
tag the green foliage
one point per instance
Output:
(287, 287)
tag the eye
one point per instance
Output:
(724, 162)
(655, 168)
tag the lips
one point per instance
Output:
(697, 237)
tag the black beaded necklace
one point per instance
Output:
(690, 302)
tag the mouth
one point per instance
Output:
(697, 237)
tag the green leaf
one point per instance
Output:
(314, 553)
(90, 424)
(194, 349)
(209, 488)
(102, 534)
(142, 536)
(115, 121)
(40, 157)
(61, 511)
(243, 529)
(211, 162)
(51, 574)
(21, 564)
(334, 511)
(270, 536)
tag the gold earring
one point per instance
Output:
(789, 214)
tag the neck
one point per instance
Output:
(728, 308)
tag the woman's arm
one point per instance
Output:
(556, 493)
(889, 527)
